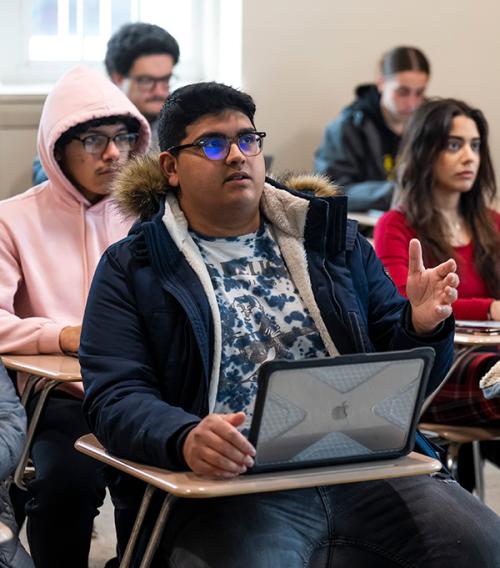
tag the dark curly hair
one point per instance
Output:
(135, 40)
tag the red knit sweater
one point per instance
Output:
(392, 237)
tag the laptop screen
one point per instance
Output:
(338, 410)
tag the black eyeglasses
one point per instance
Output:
(148, 82)
(217, 146)
(97, 143)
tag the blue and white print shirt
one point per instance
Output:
(262, 315)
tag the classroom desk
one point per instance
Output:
(465, 343)
(365, 218)
(56, 367)
(476, 340)
(47, 372)
(190, 485)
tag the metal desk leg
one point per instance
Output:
(136, 529)
(19, 473)
(31, 383)
(157, 530)
(478, 469)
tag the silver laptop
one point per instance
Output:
(344, 409)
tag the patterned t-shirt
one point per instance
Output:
(262, 314)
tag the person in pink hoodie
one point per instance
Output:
(51, 238)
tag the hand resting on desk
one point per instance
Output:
(215, 447)
(69, 338)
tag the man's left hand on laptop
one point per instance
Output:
(215, 447)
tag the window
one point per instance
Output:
(46, 37)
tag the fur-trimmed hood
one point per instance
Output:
(140, 185)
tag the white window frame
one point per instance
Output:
(218, 36)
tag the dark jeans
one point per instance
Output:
(67, 491)
(413, 522)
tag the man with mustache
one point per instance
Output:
(51, 238)
(140, 60)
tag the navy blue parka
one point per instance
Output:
(148, 342)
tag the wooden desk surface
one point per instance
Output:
(462, 434)
(57, 367)
(476, 339)
(188, 484)
(365, 219)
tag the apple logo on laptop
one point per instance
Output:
(340, 412)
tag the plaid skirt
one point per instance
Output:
(460, 400)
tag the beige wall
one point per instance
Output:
(19, 117)
(301, 60)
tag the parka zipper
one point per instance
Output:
(353, 326)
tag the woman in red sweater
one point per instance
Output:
(446, 184)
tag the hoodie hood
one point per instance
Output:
(140, 186)
(80, 95)
(367, 105)
(368, 101)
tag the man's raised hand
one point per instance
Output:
(431, 291)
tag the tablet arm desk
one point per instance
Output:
(191, 486)
(48, 372)
(465, 342)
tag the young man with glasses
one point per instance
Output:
(51, 238)
(225, 270)
(140, 59)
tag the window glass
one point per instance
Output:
(78, 30)
(44, 17)
(72, 17)
(120, 13)
(91, 18)
(50, 36)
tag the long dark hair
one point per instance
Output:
(425, 138)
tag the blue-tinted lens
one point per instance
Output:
(215, 147)
(249, 144)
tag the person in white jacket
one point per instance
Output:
(51, 238)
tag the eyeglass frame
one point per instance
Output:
(167, 79)
(108, 140)
(232, 140)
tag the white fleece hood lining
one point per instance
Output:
(287, 215)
